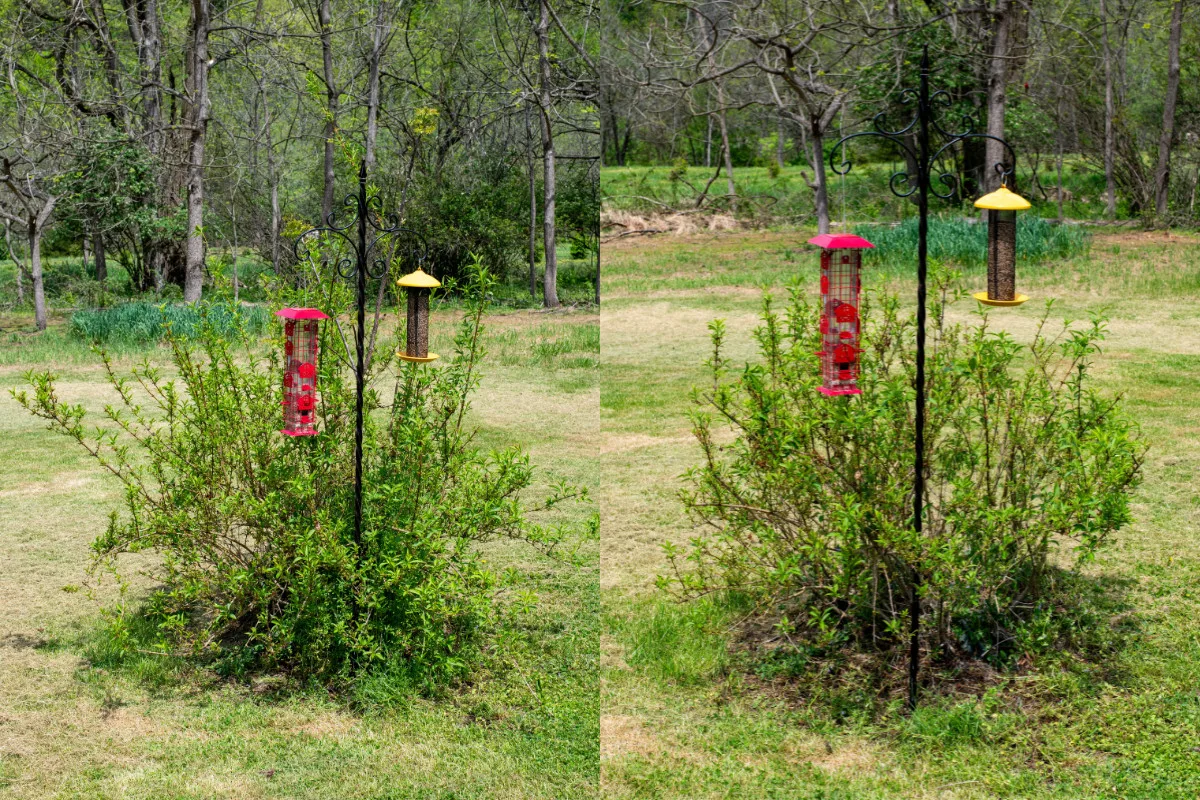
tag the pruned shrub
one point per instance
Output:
(258, 567)
(805, 502)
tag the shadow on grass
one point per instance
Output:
(134, 650)
(1071, 647)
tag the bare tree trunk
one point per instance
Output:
(779, 129)
(708, 139)
(233, 226)
(1110, 183)
(378, 42)
(272, 178)
(997, 97)
(87, 254)
(275, 221)
(35, 226)
(731, 190)
(153, 86)
(1060, 168)
(324, 17)
(198, 102)
(820, 184)
(16, 261)
(532, 206)
(550, 277)
(101, 257)
(1162, 175)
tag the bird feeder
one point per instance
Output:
(841, 288)
(1002, 206)
(418, 285)
(300, 347)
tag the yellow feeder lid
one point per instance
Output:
(1018, 298)
(400, 354)
(421, 280)
(1003, 200)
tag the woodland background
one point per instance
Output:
(1099, 99)
(188, 143)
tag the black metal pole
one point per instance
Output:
(914, 613)
(359, 269)
(361, 300)
(924, 158)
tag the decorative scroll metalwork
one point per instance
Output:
(901, 183)
(366, 214)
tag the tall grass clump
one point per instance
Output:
(142, 323)
(963, 243)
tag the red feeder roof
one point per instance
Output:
(840, 241)
(301, 313)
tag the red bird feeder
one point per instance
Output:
(300, 369)
(841, 287)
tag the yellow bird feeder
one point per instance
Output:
(418, 285)
(1002, 206)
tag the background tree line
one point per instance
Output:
(1108, 87)
(173, 136)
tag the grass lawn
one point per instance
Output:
(526, 726)
(684, 717)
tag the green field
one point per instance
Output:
(525, 725)
(685, 713)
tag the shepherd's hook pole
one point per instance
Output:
(914, 641)
(361, 300)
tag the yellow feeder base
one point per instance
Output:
(987, 301)
(417, 359)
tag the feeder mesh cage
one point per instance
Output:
(840, 289)
(418, 323)
(1002, 255)
(300, 377)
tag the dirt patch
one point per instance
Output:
(846, 759)
(626, 225)
(1142, 238)
(623, 735)
(47, 487)
(624, 443)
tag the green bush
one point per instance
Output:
(963, 243)
(477, 208)
(805, 500)
(259, 568)
(141, 322)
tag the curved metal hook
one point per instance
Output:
(906, 97)
(943, 97)
(901, 177)
(1004, 171)
(408, 234)
(950, 180)
(346, 267)
(380, 268)
(380, 220)
(302, 249)
(844, 166)
(348, 202)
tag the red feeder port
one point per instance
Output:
(300, 371)
(841, 285)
